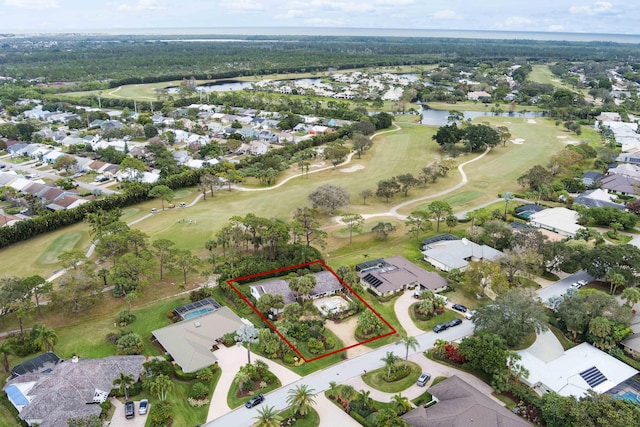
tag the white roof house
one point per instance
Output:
(446, 255)
(575, 371)
(559, 220)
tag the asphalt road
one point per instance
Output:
(351, 368)
(33, 171)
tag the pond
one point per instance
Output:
(439, 117)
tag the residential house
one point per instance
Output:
(449, 253)
(66, 202)
(17, 149)
(573, 372)
(620, 184)
(72, 140)
(386, 276)
(319, 130)
(633, 158)
(461, 404)
(607, 116)
(73, 389)
(181, 156)
(190, 341)
(598, 199)
(591, 179)
(326, 284)
(625, 169)
(559, 220)
(268, 137)
(258, 147)
(478, 95)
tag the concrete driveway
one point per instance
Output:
(118, 419)
(561, 287)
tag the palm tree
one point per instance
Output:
(631, 296)
(439, 346)
(365, 397)
(6, 349)
(507, 196)
(243, 378)
(46, 338)
(333, 387)
(161, 386)
(267, 417)
(347, 392)
(300, 399)
(124, 381)
(401, 404)
(409, 343)
(390, 359)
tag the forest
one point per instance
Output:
(130, 59)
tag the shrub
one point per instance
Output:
(125, 317)
(181, 375)
(205, 374)
(199, 391)
(130, 343)
(289, 359)
(329, 343)
(161, 414)
(155, 367)
(315, 346)
(453, 354)
(229, 340)
(397, 374)
(173, 316)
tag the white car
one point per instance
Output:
(469, 314)
(579, 284)
(142, 408)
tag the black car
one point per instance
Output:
(454, 322)
(129, 409)
(461, 308)
(440, 327)
(255, 400)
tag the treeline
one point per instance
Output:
(138, 61)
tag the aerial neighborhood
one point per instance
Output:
(397, 236)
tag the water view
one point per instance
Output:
(439, 117)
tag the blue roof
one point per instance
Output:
(16, 396)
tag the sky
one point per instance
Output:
(572, 16)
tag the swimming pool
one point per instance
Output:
(196, 313)
(629, 396)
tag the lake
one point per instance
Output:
(439, 117)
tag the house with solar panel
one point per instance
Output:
(386, 276)
(573, 372)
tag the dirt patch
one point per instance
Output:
(531, 121)
(561, 136)
(517, 141)
(346, 330)
(572, 142)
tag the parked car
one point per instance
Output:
(454, 322)
(469, 314)
(183, 204)
(142, 408)
(255, 400)
(440, 327)
(461, 308)
(154, 210)
(422, 381)
(129, 409)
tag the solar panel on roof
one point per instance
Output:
(593, 377)
(372, 280)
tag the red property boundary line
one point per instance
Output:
(293, 267)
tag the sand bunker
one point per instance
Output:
(533, 122)
(352, 168)
(572, 142)
(318, 165)
(517, 141)
(561, 136)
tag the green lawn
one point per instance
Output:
(477, 106)
(62, 243)
(427, 325)
(376, 379)
(387, 312)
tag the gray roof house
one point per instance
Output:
(620, 184)
(461, 404)
(591, 179)
(389, 275)
(190, 341)
(326, 284)
(446, 255)
(69, 389)
(598, 199)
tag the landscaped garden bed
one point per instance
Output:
(394, 378)
(251, 379)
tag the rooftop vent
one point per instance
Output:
(197, 324)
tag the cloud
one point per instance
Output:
(291, 14)
(238, 6)
(140, 5)
(516, 21)
(593, 9)
(445, 14)
(555, 28)
(32, 4)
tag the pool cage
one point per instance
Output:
(202, 306)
